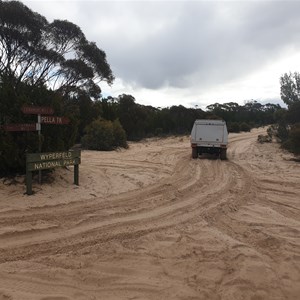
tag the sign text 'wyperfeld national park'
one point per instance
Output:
(50, 160)
(35, 166)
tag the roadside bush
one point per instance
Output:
(264, 139)
(271, 131)
(245, 127)
(158, 131)
(234, 127)
(119, 134)
(282, 132)
(104, 135)
(293, 141)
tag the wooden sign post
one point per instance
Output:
(40, 111)
(40, 161)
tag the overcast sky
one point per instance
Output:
(192, 53)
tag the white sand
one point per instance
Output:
(152, 223)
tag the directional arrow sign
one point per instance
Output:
(20, 127)
(54, 120)
(37, 110)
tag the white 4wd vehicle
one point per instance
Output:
(209, 136)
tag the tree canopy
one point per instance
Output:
(44, 64)
(289, 125)
(252, 112)
(290, 88)
(57, 54)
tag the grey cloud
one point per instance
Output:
(205, 43)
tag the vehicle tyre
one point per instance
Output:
(194, 153)
(223, 155)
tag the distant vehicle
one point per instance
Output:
(209, 136)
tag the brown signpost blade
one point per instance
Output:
(54, 120)
(20, 127)
(37, 110)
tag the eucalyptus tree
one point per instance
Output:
(290, 94)
(43, 63)
(290, 88)
(56, 54)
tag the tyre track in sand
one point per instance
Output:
(177, 199)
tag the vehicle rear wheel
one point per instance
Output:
(194, 153)
(223, 155)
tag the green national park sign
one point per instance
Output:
(41, 161)
(50, 160)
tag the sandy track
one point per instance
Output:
(152, 223)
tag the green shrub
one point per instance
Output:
(120, 139)
(245, 127)
(293, 142)
(271, 131)
(158, 131)
(233, 127)
(264, 139)
(104, 135)
(282, 132)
